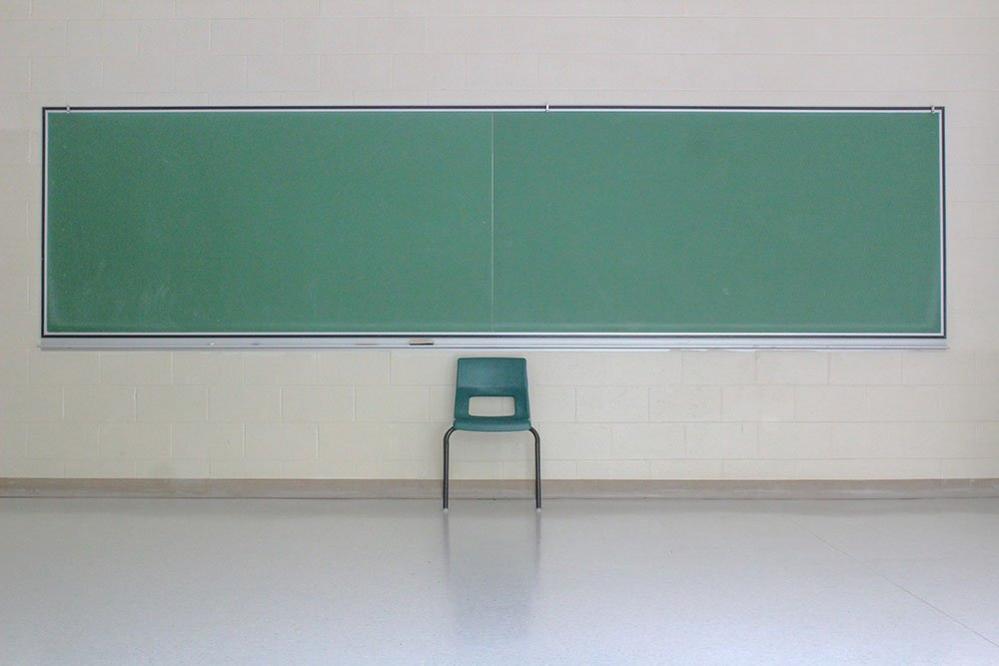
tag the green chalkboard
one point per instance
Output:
(263, 222)
(718, 223)
(495, 222)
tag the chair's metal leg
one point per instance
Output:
(447, 449)
(537, 469)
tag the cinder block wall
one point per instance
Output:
(358, 414)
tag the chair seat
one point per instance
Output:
(492, 423)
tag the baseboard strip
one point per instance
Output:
(489, 489)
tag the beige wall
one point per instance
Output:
(685, 414)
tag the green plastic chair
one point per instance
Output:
(493, 377)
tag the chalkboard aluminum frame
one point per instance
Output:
(513, 341)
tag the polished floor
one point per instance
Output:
(585, 582)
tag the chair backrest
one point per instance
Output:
(492, 377)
